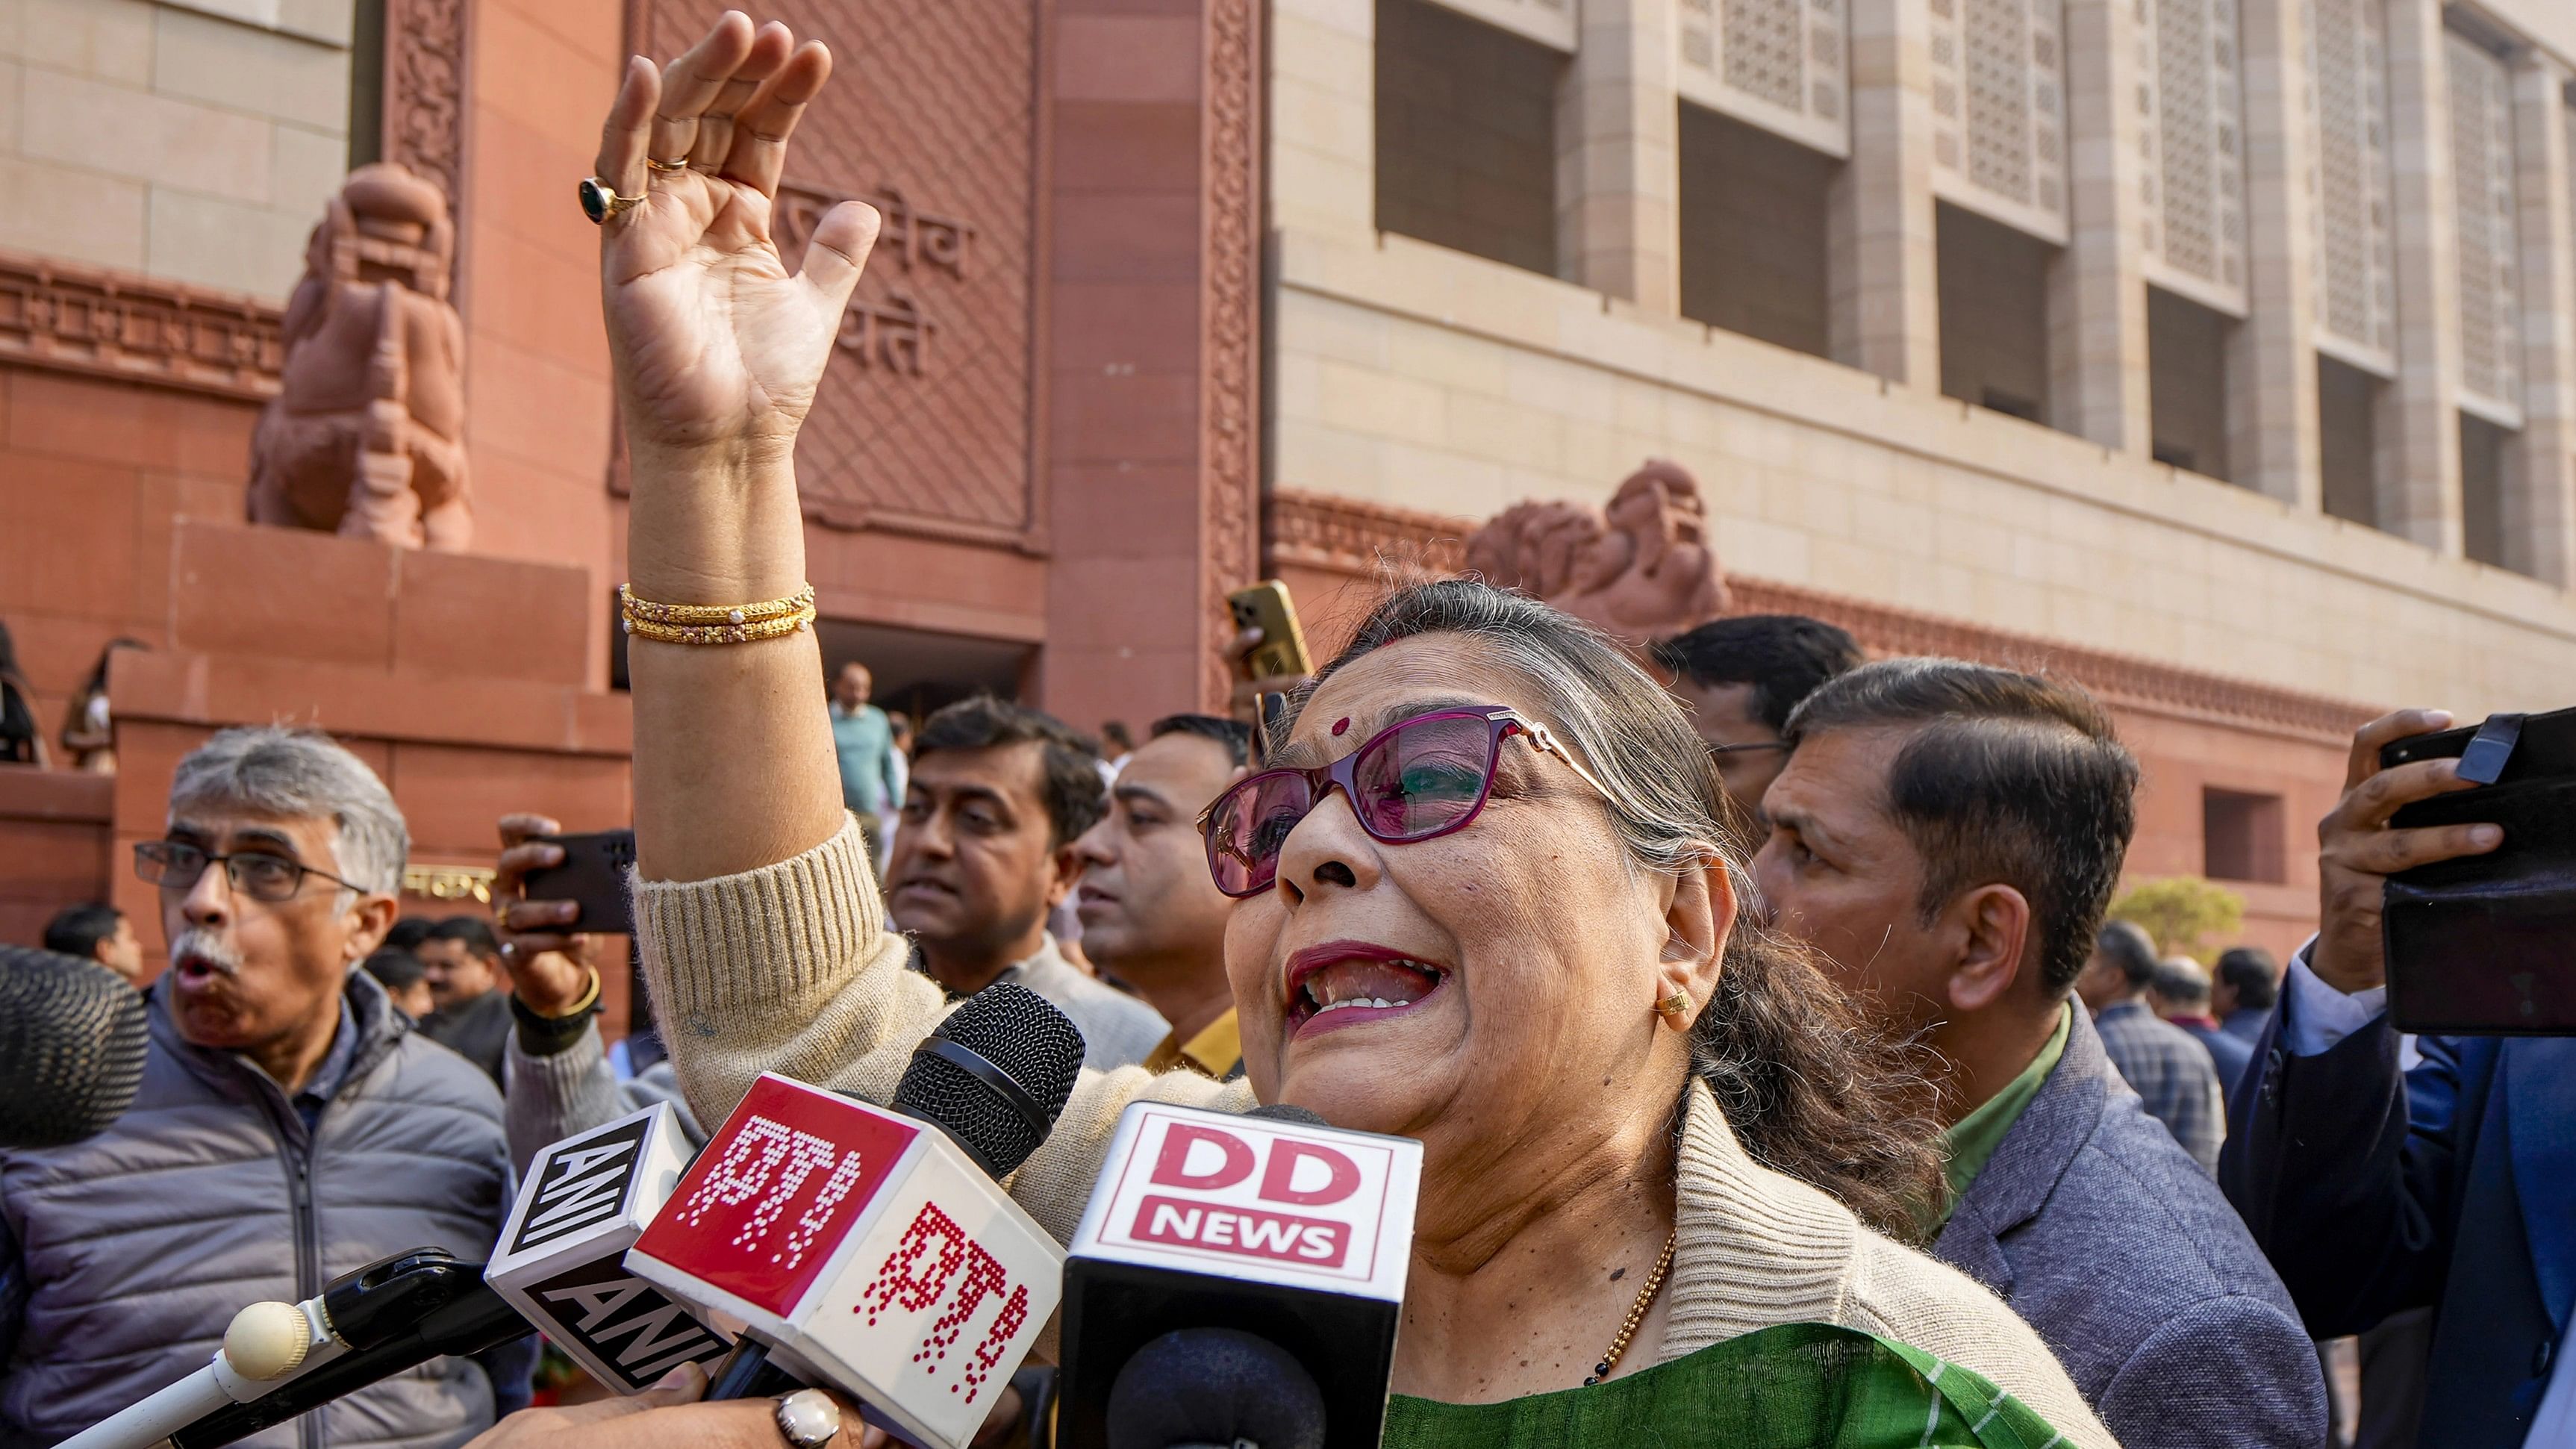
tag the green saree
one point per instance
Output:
(1794, 1386)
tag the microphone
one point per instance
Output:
(867, 1253)
(558, 1268)
(74, 1036)
(272, 1347)
(1237, 1278)
(561, 1258)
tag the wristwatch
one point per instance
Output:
(808, 1419)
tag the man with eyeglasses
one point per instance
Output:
(1738, 679)
(291, 1125)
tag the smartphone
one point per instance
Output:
(1282, 650)
(593, 874)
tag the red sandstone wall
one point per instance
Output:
(537, 380)
(94, 475)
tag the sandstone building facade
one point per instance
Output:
(2220, 353)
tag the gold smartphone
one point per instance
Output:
(1265, 606)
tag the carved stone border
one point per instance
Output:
(66, 317)
(1229, 314)
(1362, 539)
(426, 57)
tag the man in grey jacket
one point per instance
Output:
(290, 1127)
(1949, 834)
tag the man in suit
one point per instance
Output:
(2376, 1190)
(1949, 835)
(2242, 991)
(2160, 1062)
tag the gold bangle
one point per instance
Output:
(647, 611)
(795, 623)
(589, 999)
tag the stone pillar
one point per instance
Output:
(2418, 424)
(2097, 294)
(1885, 288)
(1323, 103)
(2540, 493)
(1152, 470)
(1618, 156)
(2272, 444)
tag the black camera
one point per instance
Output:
(2485, 945)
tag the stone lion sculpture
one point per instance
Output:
(365, 437)
(1640, 569)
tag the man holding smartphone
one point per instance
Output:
(2374, 1190)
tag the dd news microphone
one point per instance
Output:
(872, 1250)
(72, 1042)
(1237, 1278)
(274, 1351)
(561, 1261)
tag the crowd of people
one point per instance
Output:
(1755, 1003)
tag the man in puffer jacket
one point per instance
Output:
(291, 1126)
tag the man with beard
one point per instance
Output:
(997, 798)
(291, 1125)
(1151, 915)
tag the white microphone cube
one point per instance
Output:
(561, 1257)
(868, 1248)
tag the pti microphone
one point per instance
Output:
(74, 1037)
(561, 1258)
(868, 1253)
(271, 1345)
(1237, 1277)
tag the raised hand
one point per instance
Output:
(717, 347)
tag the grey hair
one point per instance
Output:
(301, 774)
(1809, 1084)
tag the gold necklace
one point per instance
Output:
(1637, 1312)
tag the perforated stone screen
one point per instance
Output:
(1782, 65)
(1999, 110)
(2482, 199)
(2193, 183)
(2356, 289)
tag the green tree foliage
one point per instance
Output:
(2183, 914)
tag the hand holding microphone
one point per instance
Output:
(873, 1256)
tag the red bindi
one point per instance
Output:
(1341, 724)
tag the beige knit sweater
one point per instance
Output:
(790, 969)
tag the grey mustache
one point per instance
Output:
(207, 947)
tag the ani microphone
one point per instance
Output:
(1237, 1278)
(870, 1253)
(561, 1261)
(72, 1043)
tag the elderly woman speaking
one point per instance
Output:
(1480, 905)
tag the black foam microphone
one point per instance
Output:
(72, 1042)
(867, 1254)
(1215, 1386)
(1237, 1278)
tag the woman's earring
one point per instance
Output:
(1671, 1007)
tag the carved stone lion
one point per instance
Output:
(366, 437)
(1640, 569)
